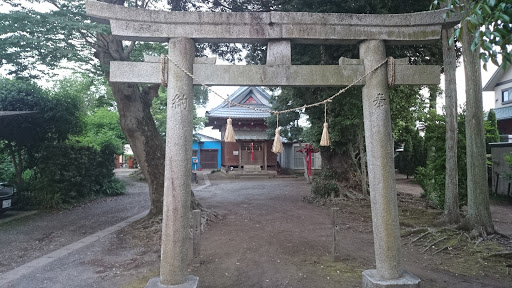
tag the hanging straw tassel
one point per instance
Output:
(230, 132)
(325, 141)
(277, 147)
(325, 136)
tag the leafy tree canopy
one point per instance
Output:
(57, 115)
(490, 21)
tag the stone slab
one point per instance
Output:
(278, 75)
(371, 280)
(197, 60)
(192, 282)
(311, 28)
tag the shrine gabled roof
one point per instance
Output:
(250, 96)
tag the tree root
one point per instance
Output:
(447, 247)
(432, 244)
(419, 237)
(413, 231)
(439, 250)
(478, 242)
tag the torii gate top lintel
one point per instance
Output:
(260, 27)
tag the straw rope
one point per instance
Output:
(341, 91)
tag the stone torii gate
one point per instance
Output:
(277, 29)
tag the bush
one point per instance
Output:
(325, 185)
(67, 173)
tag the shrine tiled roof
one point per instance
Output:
(250, 96)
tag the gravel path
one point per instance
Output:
(267, 237)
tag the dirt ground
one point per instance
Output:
(267, 236)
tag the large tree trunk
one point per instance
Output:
(343, 165)
(134, 103)
(479, 215)
(451, 200)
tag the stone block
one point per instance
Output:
(192, 282)
(252, 168)
(371, 279)
(279, 52)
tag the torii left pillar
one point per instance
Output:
(178, 152)
(381, 172)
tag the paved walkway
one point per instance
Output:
(14, 274)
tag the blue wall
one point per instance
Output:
(208, 145)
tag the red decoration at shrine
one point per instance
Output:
(308, 150)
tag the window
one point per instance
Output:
(194, 153)
(256, 146)
(506, 95)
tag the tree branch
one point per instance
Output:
(129, 50)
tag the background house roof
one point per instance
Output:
(251, 96)
(206, 138)
(496, 77)
(503, 113)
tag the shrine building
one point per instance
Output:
(252, 149)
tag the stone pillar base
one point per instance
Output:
(191, 283)
(372, 280)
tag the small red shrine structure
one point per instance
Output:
(253, 146)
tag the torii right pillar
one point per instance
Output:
(381, 172)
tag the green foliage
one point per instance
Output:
(102, 129)
(490, 21)
(83, 173)
(94, 91)
(491, 130)
(432, 176)
(34, 41)
(57, 115)
(6, 168)
(325, 185)
(508, 159)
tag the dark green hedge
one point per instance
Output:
(67, 173)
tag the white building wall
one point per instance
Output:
(499, 89)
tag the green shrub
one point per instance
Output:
(67, 173)
(325, 185)
(6, 168)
